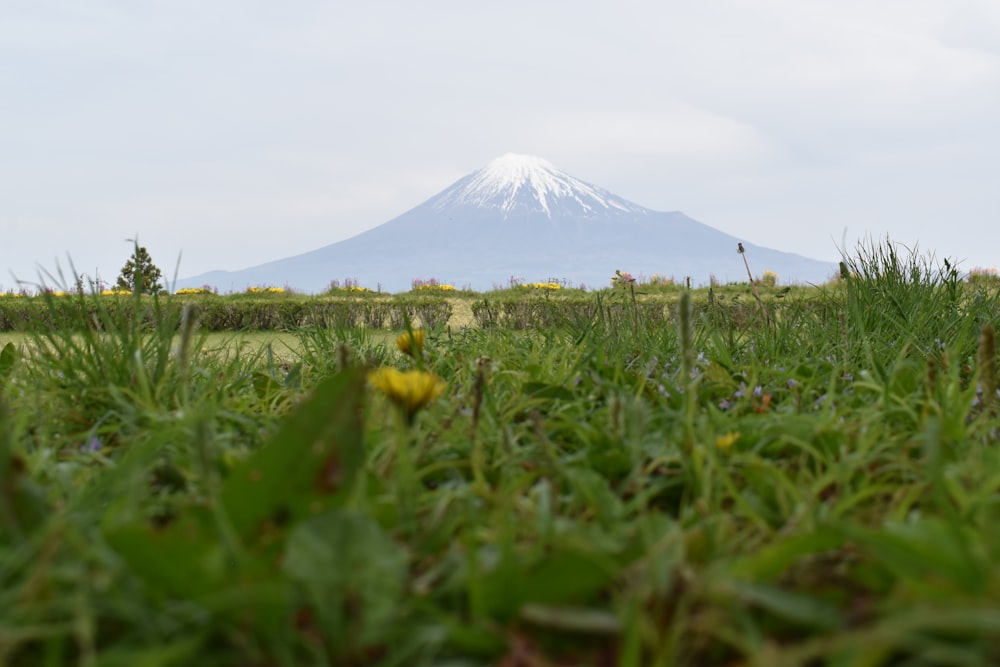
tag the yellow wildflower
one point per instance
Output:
(410, 390)
(411, 342)
(726, 440)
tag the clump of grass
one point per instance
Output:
(988, 366)
(897, 299)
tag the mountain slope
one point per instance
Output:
(519, 217)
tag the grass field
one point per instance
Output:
(811, 480)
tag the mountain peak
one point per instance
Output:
(525, 183)
(518, 169)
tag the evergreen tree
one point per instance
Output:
(140, 273)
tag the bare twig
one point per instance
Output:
(753, 284)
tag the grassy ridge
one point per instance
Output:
(808, 480)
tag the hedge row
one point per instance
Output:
(525, 313)
(270, 313)
(222, 314)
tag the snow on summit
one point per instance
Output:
(515, 181)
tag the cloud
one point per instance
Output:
(679, 132)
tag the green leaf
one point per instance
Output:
(182, 559)
(774, 559)
(717, 374)
(568, 574)
(592, 490)
(8, 357)
(547, 391)
(795, 607)
(22, 503)
(926, 552)
(181, 652)
(572, 619)
(353, 573)
(565, 575)
(308, 465)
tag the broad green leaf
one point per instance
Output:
(924, 552)
(775, 558)
(568, 574)
(310, 462)
(717, 374)
(183, 559)
(22, 503)
(795, 607)
(181, 653)
(307, 466)
(8, 357)
(592, 490)
(565, 575)
(548, 391)
(352, 571)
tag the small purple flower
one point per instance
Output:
(93, 445)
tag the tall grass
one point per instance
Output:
(698, 484)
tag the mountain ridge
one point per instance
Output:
(520, 217)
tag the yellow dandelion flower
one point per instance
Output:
(726, 440)
(411, 342)
(410, 390)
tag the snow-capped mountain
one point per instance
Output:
(519, 217)
(516, 184)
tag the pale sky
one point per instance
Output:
(230, 133)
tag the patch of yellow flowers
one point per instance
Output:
(410, 390)
(411, 342)
(434, 288)
(548, 286)
(727, 440)
(265, 290)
